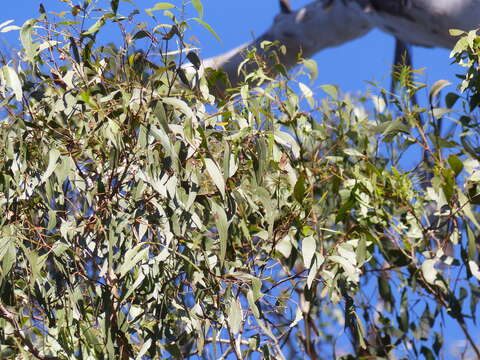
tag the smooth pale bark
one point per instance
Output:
(329, 23)
(306, 31)
(427, 22)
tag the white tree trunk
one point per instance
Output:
(328, 23)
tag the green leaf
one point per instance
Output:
(467, 208)
(47, 45)
(95, 27)
(197, 4)
(140, 35)
(331, 90)
(440, 112)
(36, 264)
(256, 288)
(353, 152)
(360, 330)
(392, 128)
(438, 343)
(451, 99)
(309, 246)
(299, 190)
(194, 59)
(455, 164)
(284, 246)
(180, 105)
(471, 246)
(235, 316)
(13, 81)
(350, 269)
(53, 156)
(7, 256)
(251, 302)
(146, 345)
(5, 23)
(312, 67)
(456, 32)
(436, 88)
(308, 93)
(361, 251)
(52, 220)
(159, 6)
(379, 103)
(10, 28)
(208, 27)
(386, 293)
(132, 258)
(312, 273)
(427, 353)
(429, 271)
(5, 27)
(474, 269)
(298, 317)
(216, 175)
(74, 48)
(114, 5)
(287, 140)
(460, 46)
(26, 39)
(222, 225)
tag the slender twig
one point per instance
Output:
(8, 316)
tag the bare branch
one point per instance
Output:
(306, 31)
(329, 23)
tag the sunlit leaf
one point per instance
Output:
(429, 271)
(132, 258)
(197, 4)
(13, 81)
(309, 246)
(159, 6)
(29, 46)
(235, 316)
(216, 175)
(331, 90)
(436, 88)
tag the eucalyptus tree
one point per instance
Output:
(143, 217)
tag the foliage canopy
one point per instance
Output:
(145, 215)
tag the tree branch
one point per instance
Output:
(328, 23)
(307, 31)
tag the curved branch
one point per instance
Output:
(329, 23)
(306, 31)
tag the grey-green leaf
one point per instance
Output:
(13, 81)
(216, 175)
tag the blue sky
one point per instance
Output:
(236, 22)
(368, 58)
(349, 66)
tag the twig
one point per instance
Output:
(8, 316)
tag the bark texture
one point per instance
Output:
(315, 27)
(328, 23)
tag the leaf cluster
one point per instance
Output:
(145, 216)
